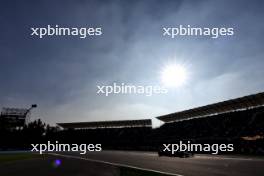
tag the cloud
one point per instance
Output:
(61, 74)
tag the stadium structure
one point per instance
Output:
(239, 121)
(107, 124)
(238, 104)
(122, 134)
(15, 117)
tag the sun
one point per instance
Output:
(174, 75)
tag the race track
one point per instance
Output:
(200, 165)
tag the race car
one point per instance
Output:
(181, 154)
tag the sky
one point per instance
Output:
(60, 74)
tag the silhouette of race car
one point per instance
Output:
(181, 154)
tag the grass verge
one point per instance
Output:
(9, 157)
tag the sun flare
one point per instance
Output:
(174, 75)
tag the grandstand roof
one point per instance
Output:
(108, 124)
(14, 112)
(245, 102)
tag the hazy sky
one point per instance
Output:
(60, 74)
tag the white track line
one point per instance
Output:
(115, 164)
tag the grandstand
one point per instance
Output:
(15, 117)
(123, 134)
(108, 124)
(239, 121)
(232, 105)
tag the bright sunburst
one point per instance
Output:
(174, 75)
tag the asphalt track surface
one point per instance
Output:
(106, 163)
(200, 165)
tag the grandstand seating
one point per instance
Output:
(227, 125)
